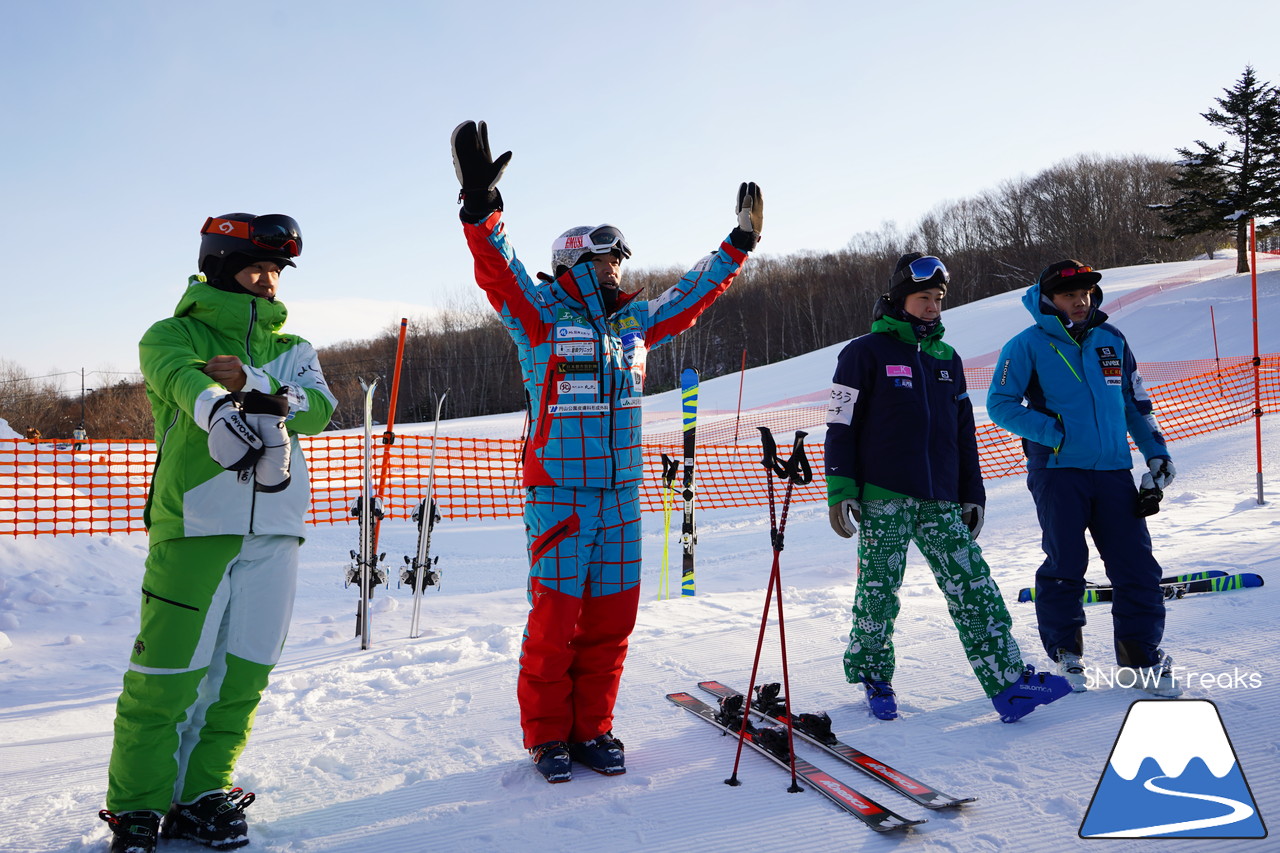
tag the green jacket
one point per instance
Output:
(191, 495)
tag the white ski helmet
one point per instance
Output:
(570, 247)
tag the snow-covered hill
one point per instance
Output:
(414, 745)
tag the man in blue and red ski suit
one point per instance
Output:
(582, 345)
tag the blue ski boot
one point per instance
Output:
(552, 760)
(1031, 689)
(881, 698)
(602, 754)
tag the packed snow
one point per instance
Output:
(414, 745)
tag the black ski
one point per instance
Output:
(816, 729)
(367, 509)
(772, 743)
(688, 531)
(420, 570)
(1173, 588)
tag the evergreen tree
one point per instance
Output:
(1220, 187)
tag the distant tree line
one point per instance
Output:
(1104, 211)
(116, 409)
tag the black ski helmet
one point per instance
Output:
(914, 272)
(271, 237)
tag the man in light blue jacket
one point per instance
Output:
(1069, 386)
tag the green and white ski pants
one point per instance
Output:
(973, 599)
(215, 611)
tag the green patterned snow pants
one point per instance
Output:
(973, 599)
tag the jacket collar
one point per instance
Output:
(1048, 317)
(580, 286)
(229, 313)
(906, 331)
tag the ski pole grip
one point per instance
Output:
(798, 469)
(770, 460)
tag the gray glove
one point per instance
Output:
(749, 209)
(233, 444)
(845, 517)
(1161, 473)
(972, 515)
(265, 415)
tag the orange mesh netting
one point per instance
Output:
(47, 487)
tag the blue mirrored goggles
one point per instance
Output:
(924, 269)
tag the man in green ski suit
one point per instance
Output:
(230, 394)
(902, 467)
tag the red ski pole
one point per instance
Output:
(795, 471)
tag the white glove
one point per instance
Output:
(266, 414)
(845, 517)
(1161, 473)
(972, 515)
(233, 444)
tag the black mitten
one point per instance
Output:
(478, 172)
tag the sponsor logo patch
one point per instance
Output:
(571, 349)
(578, 386)
(572, 408)
(565, 333)
(897, 370)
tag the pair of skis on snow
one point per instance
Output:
(685, 491)
(1174, 586)
(420, 569)
(772, 742)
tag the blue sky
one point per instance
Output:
(127, 123)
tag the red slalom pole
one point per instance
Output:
(1257, 359)
(389, 437)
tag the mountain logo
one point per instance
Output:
(1173, 773)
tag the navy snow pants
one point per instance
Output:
(1070, 501)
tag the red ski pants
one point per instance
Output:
(584, 590)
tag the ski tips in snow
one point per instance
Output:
(421, 569)
(367, 509)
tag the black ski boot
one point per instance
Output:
(132, 832)
(215, 820)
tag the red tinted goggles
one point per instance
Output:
(274, 231)
(1070, 271)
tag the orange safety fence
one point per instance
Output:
(52, 487)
